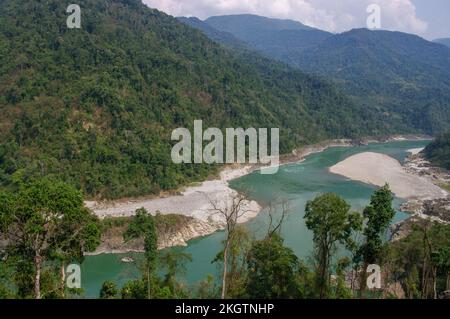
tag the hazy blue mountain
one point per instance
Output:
(444, 41)
(214, 34)
(400, 75)
(270, 36)
(243, 24)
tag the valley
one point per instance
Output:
(124, 144)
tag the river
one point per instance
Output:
(296, 183)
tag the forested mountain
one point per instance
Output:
(438, 152)
(249, 25)
(214, 34)
(402, 76)
(444, 41)
(96, 106)
(281, 39)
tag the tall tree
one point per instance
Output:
(175, 263)
(330, 219)
(108, 290)
(230, 211)
(378, 216)
(272, 270)
(44, 221)
(421, 260)
(143, 225)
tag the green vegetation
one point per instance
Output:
(272, 270)
(438, 151)
(46, 227)
(109, 290)
(379, 215)
(151, 286)
(401, 77)
(421, 261)
(95, 107)
(331, 221)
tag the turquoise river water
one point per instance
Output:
(296, 183)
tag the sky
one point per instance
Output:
(427, 18)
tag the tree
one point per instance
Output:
(272, 270)
(331, 222)
(438, 151)
(378, 216)
(108, 290)
(143, 225)
(276, 222)
(207, 288)
(341, 290)
(135, 289)
(436, 258)
(175, 263)
(44, 220)
(230, 211)
(420, 261)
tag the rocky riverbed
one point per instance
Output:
(423, 210)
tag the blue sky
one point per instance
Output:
(427, 18)
(437, 14)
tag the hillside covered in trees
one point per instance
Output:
(400, 76)
(95, 106)
(438, 152)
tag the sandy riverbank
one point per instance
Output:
(378, 169)
(194, 201)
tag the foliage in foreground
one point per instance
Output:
(438, 151)
(50, 228)
(46, 227)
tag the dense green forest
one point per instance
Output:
(438, 151)
(401, 77)
(96, 106)
(44, 227)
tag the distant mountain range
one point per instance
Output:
(401, 76)
(277, 38)
(444, 41)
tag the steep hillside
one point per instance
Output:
(401, 74)
(214, 34)
(438, 152)
(398, 75)
(96, 106)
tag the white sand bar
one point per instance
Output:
(415, 151)
(378, 169)
(195, 201)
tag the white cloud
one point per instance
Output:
(330, 15)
